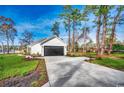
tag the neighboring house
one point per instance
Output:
(53, 46)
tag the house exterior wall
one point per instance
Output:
(36, 49)
(55, 42)
(42, 50)
(39, 48)
(65, 50)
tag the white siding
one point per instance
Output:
(42, 50)
(36, 49)
(54, 42)
(65, 50)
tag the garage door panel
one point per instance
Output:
(53, 50)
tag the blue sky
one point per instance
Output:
(39, 19)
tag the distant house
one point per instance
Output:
(53, 46)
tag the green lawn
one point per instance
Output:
(119, 55)
(112, 63)
(12, 65)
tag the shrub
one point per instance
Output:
(118, 47)
(38, 54)
(98, 58)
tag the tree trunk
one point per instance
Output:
(7, 46)
(104, 34)
(113, 32)
(73, 36)
(98, 34)
(84, 48)
(13, 46)
(111, 39)
(69, 35)
(7, 41)
(2, 47)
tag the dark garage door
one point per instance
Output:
(53, 50)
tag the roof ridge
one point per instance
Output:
(44, 40)
(38, 41)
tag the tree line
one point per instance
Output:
(7, 32)
(106, 20)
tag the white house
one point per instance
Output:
(53, 46)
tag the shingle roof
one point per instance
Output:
(42, 41)
(47, 40)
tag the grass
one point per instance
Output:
(43, 70)
(90, 54)
(109, 62)
(12, 65)
(77, 54)
(43, 77)
(118, 55)
(115, 60)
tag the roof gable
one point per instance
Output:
(55, 41)
(47, 40)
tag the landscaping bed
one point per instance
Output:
(118, 55)
(18, 72)
(80, 54)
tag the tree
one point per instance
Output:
(12, 34)
(72, 18)
(101, 13)
(76, 17)
(116, 20)
(55, 29)
(76, 46)
(96, 10)
(2, 41)
(6, 24)
(98, 13)
(84, 36)
(90, 45)
(98, 34)
(2, 47)
(104, 13)
(66, 15)
(27, 37)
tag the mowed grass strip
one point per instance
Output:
(118, 55)
(112, 63)
(13, 65)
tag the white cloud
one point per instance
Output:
(40, 24)
(39, 27)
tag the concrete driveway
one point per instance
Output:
(75, 72)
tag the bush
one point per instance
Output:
(118, 47)
(36, 55)
(98, 58)
(77, 54)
